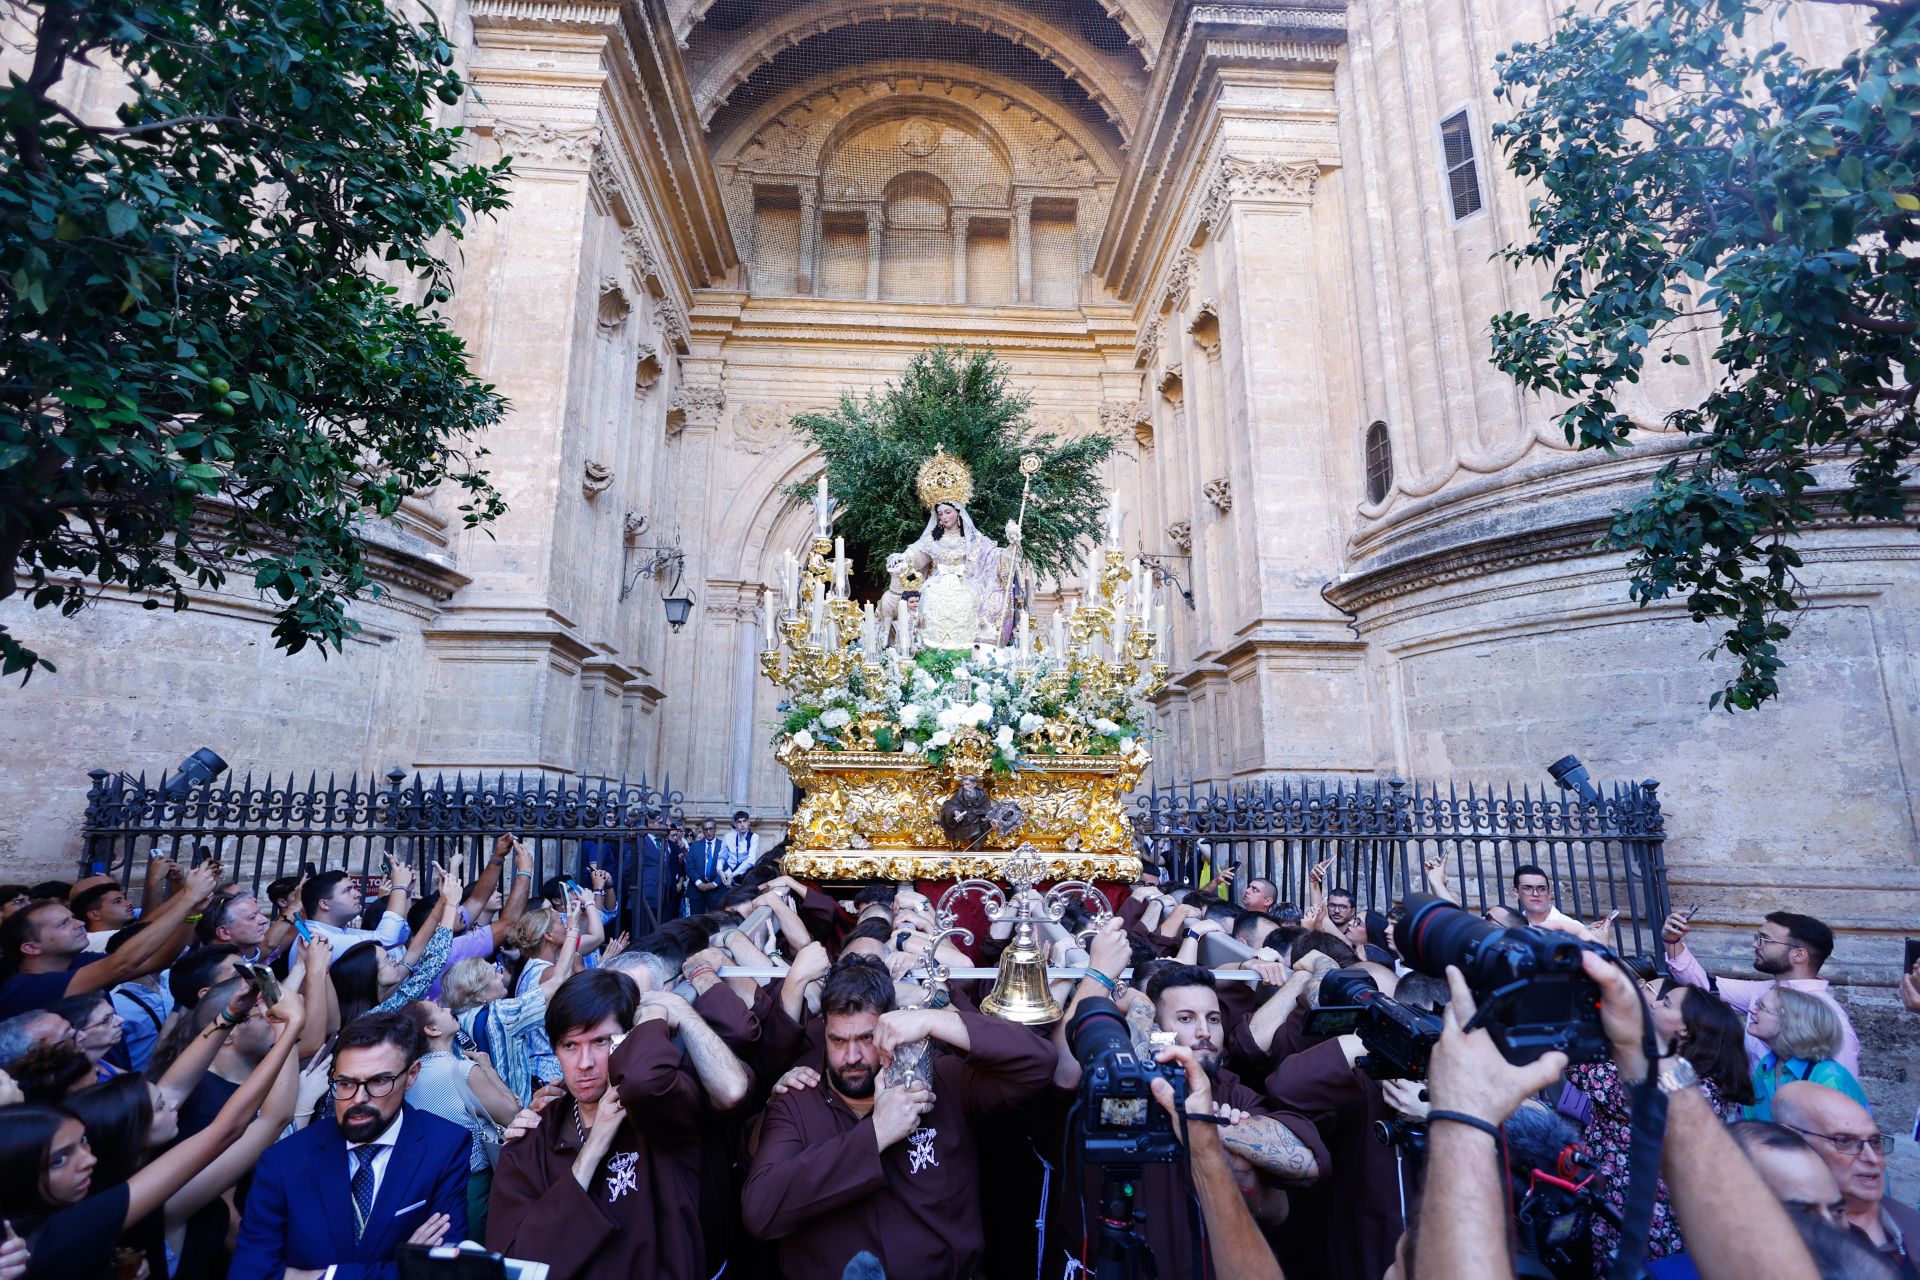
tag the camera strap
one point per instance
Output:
(1643, 1178)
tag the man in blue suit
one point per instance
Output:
(339, 1198)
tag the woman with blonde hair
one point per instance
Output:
(1802, 1034)
(511, 1029)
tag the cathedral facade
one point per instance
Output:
(1253, 240)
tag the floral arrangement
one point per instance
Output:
(917, 707)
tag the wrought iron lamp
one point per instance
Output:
(677, 601)
(1164, 574)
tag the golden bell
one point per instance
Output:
(1020, 993)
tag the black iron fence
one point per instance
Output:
(1601, 854)
(264, 831)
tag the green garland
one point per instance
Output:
(961, 399)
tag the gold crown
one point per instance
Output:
(944, 478)
(912, 580)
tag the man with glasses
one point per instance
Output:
(1535, 892)
(1789, 949)
(1844, 1134)
(339, 1200)
(1792, 1169)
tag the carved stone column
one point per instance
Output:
(1023, 248)
(809, 239)
(876, 237)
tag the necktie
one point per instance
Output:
(362, 1188)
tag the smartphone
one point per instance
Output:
(308, 870)
(1693, 911)
(262, 977)
(301, 927)
(1913, 954)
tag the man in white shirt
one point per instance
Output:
(1535, 891)
(105, 907)
(331, 903)
(742, 849)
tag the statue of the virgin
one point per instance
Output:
(967, 596)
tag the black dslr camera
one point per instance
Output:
(1399, 1038)
(1531, 992)
(1120, 1122)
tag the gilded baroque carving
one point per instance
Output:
(1180, 534)
(596, 480)
(544, 145)
(1220, 494)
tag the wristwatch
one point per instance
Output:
(1677, 1074)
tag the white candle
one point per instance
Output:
(1026, 637)
(1160, 629)
(790, 580)
(766, 613)
(821, 506)
(839, 566)
(1113, 520)
(1059, 635)
(819, 615)
(1146, 591)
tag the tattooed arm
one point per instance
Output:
(1272, 1148)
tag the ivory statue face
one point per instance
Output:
(949, 515)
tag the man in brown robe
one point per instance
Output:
(849, 1165)
(608, 1186)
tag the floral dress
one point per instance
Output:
(949, 602)
(1609, 1139)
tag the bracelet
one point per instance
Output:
(697, 970)
(1487, 1127)
(518, 872)
(1111, 984)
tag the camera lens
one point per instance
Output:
(1344, 988)
(1435, 933)
(1098, 1031)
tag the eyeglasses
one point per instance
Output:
(377, 1087)
(1533, 888)
(1762, 940)
(1847, 1144)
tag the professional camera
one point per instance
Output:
(1399, 1038)
(1120, 1122)
(1531, 992)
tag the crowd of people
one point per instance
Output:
(324, 1079)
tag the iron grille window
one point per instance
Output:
(1463, 172)
(1379, 463)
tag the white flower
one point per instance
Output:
(803, 740)
(939, 739)
(910, 748)
(835, 718)
(949, 719)
(1004, 738)
(1126, 746)
(1104, 725)
(977, 714)
(1030, 723)
(910, 714)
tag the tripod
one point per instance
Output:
(1123, 1253)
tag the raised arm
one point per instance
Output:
(562, 967)
(154, 947)
(517, 893)
(488, 879)
(1234, 1240)
(233, 1162)
(722, 1075)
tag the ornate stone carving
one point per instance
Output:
(672, 327)
(760, 428)
(541, 144)
(780, 145)
(598, 477)
(1219, 493)
(1237, 178)
(646, 367)
(615, 306)
(1180, 534)
(697, 406)
(1180, 278)
(1205, 328)
(919, 136)
(1173, 383)
(642, 261)
(1147, 349)
(1120, 416)
(633, 524)
(1059, 160)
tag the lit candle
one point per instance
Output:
(1113, 520)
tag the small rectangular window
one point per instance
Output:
(1463, 173)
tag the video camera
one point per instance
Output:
(1398, 1037)
(1527, 983)
(1120, 1122)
